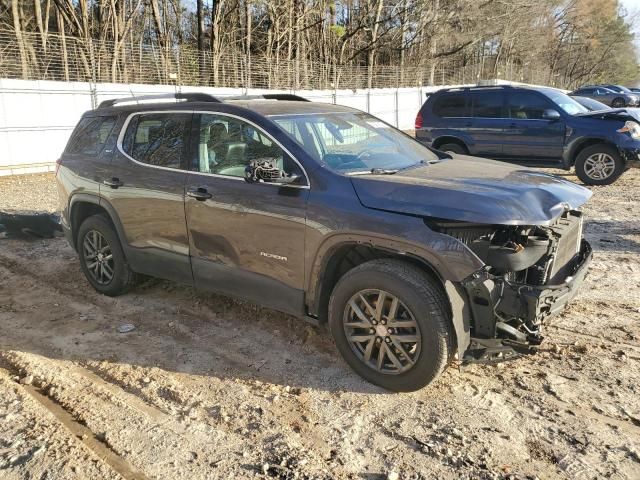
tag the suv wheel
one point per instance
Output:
(453, 148)
(618, 102)
(101, 257)
(391, 324)
(599, 165)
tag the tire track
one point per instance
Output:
(86, 436)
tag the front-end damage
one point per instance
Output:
(530, 274)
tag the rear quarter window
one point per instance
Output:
(90, 135)
(451, 105)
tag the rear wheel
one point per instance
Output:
(391, 324)
(599, 165)
(452, 148)
(101, 257)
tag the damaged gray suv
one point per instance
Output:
(328, 214)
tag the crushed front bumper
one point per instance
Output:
(499, 307)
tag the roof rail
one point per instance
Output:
(188, 96)
(270, 96)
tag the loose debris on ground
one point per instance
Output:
(208, 387)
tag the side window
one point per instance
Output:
(158, 139)
(90, 135)
(487, 104)
(227, 145)
(527, 106)
(451, 105)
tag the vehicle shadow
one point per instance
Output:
(56, 314)
(613, 236)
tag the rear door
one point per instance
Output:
(529, 136)
(488, 121)
(145, 185)
(448, 116)
(246, 239)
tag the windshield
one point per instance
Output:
(621, 89)
(353, 142)
(565, 102)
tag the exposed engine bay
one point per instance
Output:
(531, 273)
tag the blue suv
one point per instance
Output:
(532, 126)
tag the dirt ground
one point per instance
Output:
(208, 387)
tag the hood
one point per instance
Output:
(473, 190)
(621, 114)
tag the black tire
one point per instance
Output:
(122, 278)
(428, 305)
(453, 148)
(618, 102)
(590, 176)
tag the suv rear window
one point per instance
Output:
(451, 105)
(158, 139)
(90, 135)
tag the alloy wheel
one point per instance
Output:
(599, 166)
(382, 331)
(98, 257)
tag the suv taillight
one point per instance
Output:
(419, 120)
(58, 163)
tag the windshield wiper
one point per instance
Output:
(374, 171)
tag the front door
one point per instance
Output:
(529, 136)
(246, 239)
(145, 185)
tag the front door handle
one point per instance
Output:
(113, 182)
(199, 193)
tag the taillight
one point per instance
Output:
(419, 120)
(58, 163)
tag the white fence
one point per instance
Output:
(37, 116)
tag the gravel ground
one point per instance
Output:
(26, 193)
(207, 387)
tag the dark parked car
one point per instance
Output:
(534, 126)
(610, 97)
(328, 214)
(591, 104)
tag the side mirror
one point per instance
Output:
(550, 114)
(264, 171)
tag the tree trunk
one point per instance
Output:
(372, 49)
(201, 59)
(19, 39)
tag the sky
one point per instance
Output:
(633, 8)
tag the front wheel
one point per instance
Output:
(599, 165)
(618, 103)
(391, 324)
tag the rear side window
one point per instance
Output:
(90, 135)
(451, 105)
(488, 104)
(527, 106)
(158, 139)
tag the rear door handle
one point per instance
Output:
(113, 182)
(199, 193)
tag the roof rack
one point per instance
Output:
(270, 96)
(478, 87)
(189, 97)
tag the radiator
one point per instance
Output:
(568, 231)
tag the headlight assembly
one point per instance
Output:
(632, 128)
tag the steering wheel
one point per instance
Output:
(363, 153)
